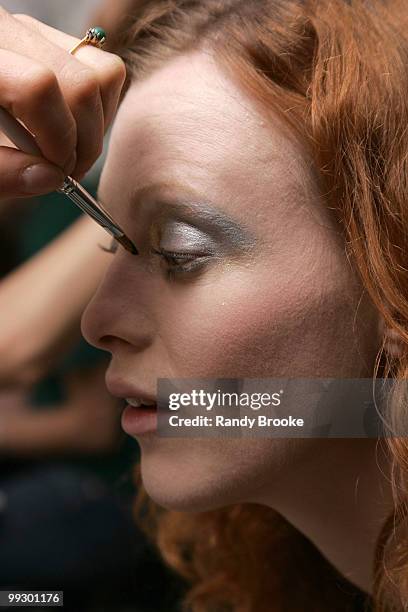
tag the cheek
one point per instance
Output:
(258, 324)
(248, 325)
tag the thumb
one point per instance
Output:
(23, 175)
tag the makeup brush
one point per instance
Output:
(25, 141)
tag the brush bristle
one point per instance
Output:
(128, 245)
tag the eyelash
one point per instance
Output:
(170, 257)
(192, 261)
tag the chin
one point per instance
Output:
(178, 492)
(181, 482)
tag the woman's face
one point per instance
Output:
(266, 289)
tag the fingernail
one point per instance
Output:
(41, 178)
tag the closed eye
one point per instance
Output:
(175, 258)
(178, 263)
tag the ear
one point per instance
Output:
(393, 344)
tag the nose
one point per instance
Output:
(117, 315)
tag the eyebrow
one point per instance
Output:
(189, 207)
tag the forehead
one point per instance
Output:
(190, 108)
(191, 92)
(189, 123)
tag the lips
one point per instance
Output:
(135, 396)
(140, 415)
(137, 421)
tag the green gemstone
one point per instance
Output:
(99, 33)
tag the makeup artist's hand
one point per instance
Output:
(66, 101)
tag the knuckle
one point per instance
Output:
(39, 82)
(115, 71)
(85, 87)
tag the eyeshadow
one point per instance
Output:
(180, 236)
(154, 205)
(203, 222)
(224, 224)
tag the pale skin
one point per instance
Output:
(277, 298)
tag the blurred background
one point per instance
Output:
(67, 472)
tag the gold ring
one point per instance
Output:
(95, 36)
